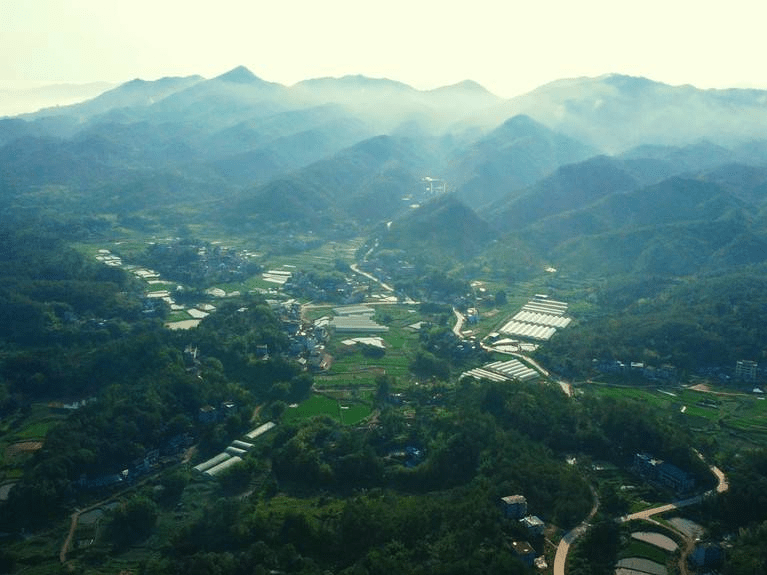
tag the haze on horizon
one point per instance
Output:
(509, 49)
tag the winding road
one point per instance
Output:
(527, 359)
(560, 559)
(459, 319)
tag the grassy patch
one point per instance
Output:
(353, 413)
(178, 316)
(36, 430)
(346, 412)
(315, 313)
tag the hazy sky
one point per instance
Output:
(509, 47)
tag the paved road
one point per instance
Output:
(723, 485)
(530, 361)
(647, 513)
(459, 319)
(355, 268)
(560, 559)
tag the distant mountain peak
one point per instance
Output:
(522, 125)
(239, 75)
(632, 83)
(465, 86)
(521, 120)
(357, 81)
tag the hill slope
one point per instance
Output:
(444, 225)
(513, 156)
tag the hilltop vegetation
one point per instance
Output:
(692, 324)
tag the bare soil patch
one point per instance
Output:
(22, 447)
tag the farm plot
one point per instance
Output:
(346, 412)
(657, 539)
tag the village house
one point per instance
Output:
(663, 473)
(514, 506)
(533, 524)
(524, 551)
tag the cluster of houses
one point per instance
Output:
(445, 343)
(170, 452)
(744, 371)
(663, 473)
(395, 270)
(662, 373)
(346, 290)
(307, 339)
(306, 345)
(212, 414)
(191, 263)
(515, 507)
(195, 262)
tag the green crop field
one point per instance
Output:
(36, 430)
(644, 550)
(347, 412)
(178, 316)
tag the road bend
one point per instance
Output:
(560, 559)
(459, 320)
(647, 515)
